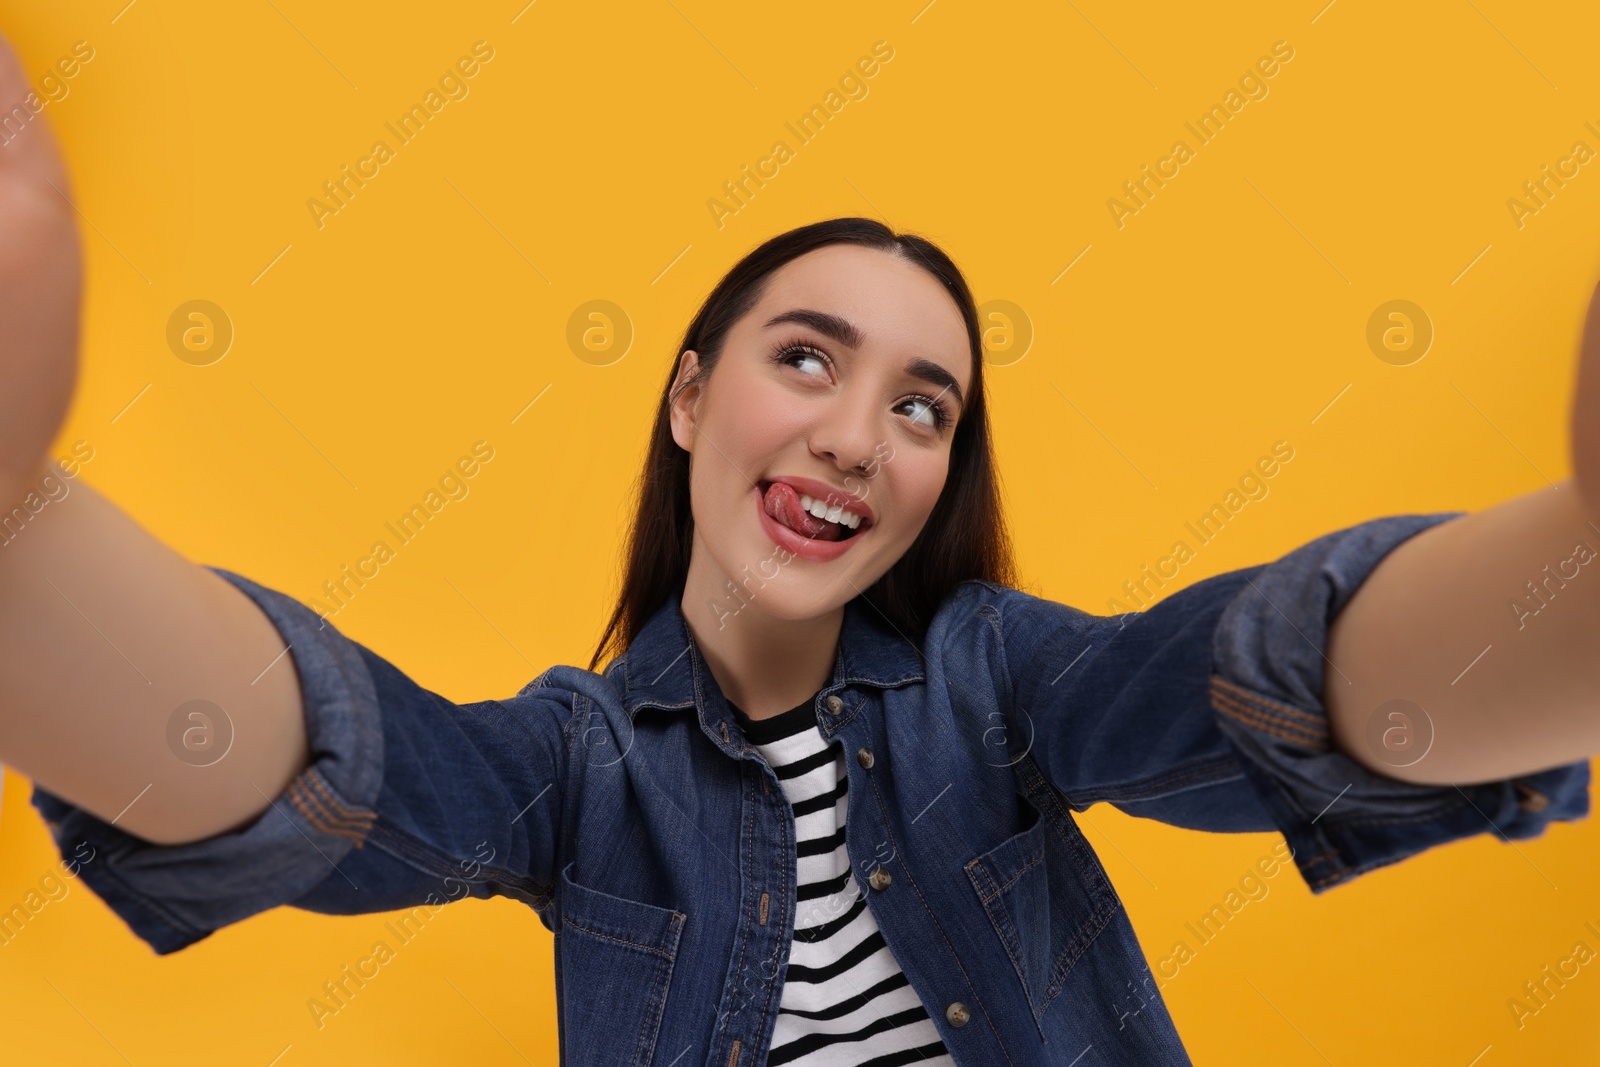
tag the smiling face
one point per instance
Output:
(844, 383)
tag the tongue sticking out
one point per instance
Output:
(782, 503)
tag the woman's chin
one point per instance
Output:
(787, 596)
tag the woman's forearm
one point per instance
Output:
(107, 636)
(1490, 625)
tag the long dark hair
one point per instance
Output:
(965, 535)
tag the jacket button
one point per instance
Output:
(957, 1014)
(834, 704)
(864, 757)
(880, 878)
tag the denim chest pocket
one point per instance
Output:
(614, 962)
(1048, 898)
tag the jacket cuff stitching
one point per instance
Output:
(1256, 717)
(1304, 718)
(319, 806)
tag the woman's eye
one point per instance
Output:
(790, 355)
(925, 413)
(814, 359)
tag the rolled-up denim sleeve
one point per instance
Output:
(409, 800)
(1341, 819)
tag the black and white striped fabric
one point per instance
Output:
(845, 1001)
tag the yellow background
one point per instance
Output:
(1224, 316)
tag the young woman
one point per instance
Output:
(816, 809)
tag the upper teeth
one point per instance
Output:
(823, 511)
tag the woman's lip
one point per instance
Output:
(804, 547)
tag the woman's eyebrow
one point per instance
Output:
(847, 333)
(842, 330)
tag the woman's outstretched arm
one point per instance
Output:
(1472, 652)
(104, 631)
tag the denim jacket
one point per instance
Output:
(626, 809)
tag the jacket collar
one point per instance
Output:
(664, 667)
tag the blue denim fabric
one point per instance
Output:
(626, 809)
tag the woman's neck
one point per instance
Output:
(763, 664)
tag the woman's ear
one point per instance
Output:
(685, 403)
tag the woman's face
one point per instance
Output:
(843, 384)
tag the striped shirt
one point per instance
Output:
(845, 1002)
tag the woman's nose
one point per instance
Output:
(847, 436)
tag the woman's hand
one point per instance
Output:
(41, 284)
(1585, 414)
